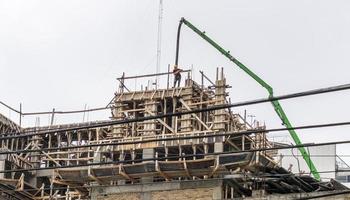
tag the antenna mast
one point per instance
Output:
(159, 40)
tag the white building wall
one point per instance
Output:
(323, 157)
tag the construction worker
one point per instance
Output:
(177, 75)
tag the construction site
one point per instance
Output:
(171, 137)
(173, 156)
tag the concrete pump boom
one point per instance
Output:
(277, 107)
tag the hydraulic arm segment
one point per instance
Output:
(281, 114)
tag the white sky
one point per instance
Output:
(65, 54)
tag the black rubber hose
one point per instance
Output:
(178, 41)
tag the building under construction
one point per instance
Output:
(161, 142)
(154, 147)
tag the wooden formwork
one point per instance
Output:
(66, 148)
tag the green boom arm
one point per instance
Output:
(278, 108)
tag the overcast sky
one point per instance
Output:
(65, 54)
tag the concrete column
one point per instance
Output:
(194, 149)
(151, 110)
(118, 114)
(97, 156)
(121, 158)
(205, 149)
(146, 196)
(2, 168)
(218, 147)
(147, 153)
(220, 94)
(33, 181)
(186, 120)
(217, 193)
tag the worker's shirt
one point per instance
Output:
(176, 72)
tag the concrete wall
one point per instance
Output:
(324, 158)
(192, 190)
(188, 194)
(313, 195)
(188, 190)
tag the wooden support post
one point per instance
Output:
(167, 85)
(52, 117)
(20, 114)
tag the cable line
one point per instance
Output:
(216, 107)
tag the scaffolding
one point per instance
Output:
(77, 159)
